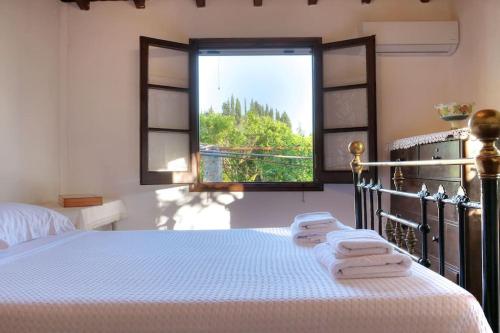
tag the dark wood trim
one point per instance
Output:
(140, 4)
(255, 187)
(155, 177)
(165, 44)
(83, 4)
(249, 43)
(150, 178)
(312, 2)
(329, 176)
(177, 130)
(167, 177)
(163, 87)
(371, 76)
(257, 3)
(194, 110)
(345, 129)
(341, 177)
(360, 41)
(144, 96)
(317, 107)
(315, 43)
(318, 121)
(346, 87)
(200, 3)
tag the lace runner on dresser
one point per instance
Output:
(461, 133)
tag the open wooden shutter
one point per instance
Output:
(168, 146)
(348, 107)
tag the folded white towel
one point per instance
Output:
(310, 237)
(315, 220)
(357, 243)
(377, 266)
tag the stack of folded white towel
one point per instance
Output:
(310, 229)
(355, 254)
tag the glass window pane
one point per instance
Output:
(168, 151)
(168, 109)
(344, 66)
(337, 156)
(247, 136)
(168, 67)
(345, 108)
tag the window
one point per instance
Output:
(255, 114)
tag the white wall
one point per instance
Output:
(69, 96)
(476, 65)
(102, 106)
(29, 84)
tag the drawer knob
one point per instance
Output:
(435, 239)
(436, 156)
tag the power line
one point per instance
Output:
(216, 153)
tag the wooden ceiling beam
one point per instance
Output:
(369, 1)
(312, 2)
(140, 4)
(257, 3)
(83, 4)
(200, 3)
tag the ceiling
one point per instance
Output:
(141, 4)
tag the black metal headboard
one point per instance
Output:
(485, 125)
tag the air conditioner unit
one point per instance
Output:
(418, 38)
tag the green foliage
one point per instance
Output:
(260, 130)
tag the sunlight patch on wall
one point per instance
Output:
(184, 210)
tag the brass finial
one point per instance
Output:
(411, 240)
(356, 148)
(398, 178)
(485, 126)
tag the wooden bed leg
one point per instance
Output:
(485, 125)
(357, 148)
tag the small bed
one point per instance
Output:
(243, 280)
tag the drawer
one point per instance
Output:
(450, 272)
(441, 150)
(410, 154)
(451, 235)
(400, 205)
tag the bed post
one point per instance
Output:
(485, 125)
(357, 148)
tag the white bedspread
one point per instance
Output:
(214, 281)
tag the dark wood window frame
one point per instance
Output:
(345, 176)
(191, 176)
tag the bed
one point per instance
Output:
(249, 280)
(242, 280)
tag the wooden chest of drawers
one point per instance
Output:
(451, 177)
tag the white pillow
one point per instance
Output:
(21, 222)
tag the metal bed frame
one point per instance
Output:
(485, 126)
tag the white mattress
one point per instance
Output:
(246, 280)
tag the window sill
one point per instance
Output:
(255, 187)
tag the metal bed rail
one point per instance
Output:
(485, 126)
